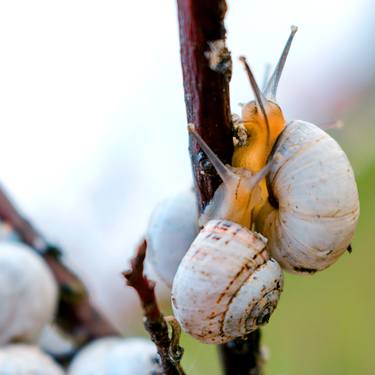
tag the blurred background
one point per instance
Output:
(93, 135)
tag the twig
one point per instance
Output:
(206, 73)
(75, 316)
(206, 67)
(10, 215)
(169, 351)
(243, 356)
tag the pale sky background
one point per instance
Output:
(92, 117)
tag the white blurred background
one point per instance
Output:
(92, 115)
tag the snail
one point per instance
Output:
(312, 208)
(226, 285)
(117, 356)
(20, 359)
(171, 230)
(28, 294)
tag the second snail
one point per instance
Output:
(291, 183)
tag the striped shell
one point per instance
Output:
(316, 193)
(226, 285)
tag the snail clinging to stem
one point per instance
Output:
(226, 285)
(312, 208)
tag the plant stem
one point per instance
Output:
(206, 67)
(206, 90)
(156, 325)
(242, 356)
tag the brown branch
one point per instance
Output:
(10, 215)
(75, 316)
(169, 351)
(206, 67)
(242, 356)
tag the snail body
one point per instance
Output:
(262, 121)
(226, 286)
(315, 200)
(28, 294)
(171, 230)
(117, 356)
(20, 359)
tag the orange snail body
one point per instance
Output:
(263, 121)
(254, 154)
(315, 207)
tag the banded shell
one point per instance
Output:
(226, 286)
(317, 205)
(28, 294)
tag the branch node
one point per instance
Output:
(219, 58)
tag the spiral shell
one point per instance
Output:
(117, 356)
(226, 285)
(314, 188)
(28, 294)
(171, 230)
(21, 359)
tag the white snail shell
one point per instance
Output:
(314, 185)
(226, 285)
(19, 359)
(56, 342)
(28, 293)
(171, 230)
(117, 356)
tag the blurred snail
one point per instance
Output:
(226, 286)
(28, 294)
(171, 230)
(20, 359)
(313, 207)
(117, 356)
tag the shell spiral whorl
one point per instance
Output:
(226, 285)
